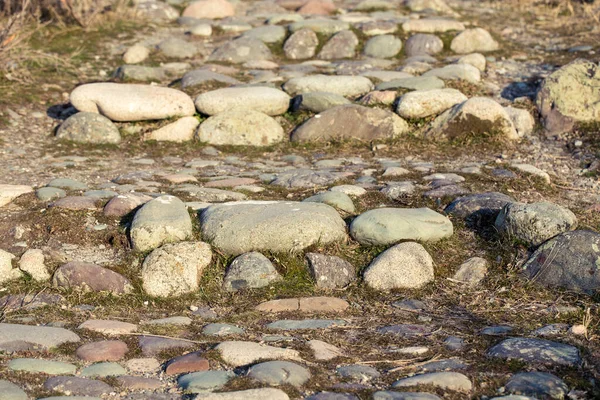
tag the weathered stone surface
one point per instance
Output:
(249, 394)
(162, 220)
(350, 86)
(141, 383)
(89, 127)
(319, 304)
(432, 25)
(259, 98)
(139, 73)
(321, 25)
(305, 178)
(330, 272)
(217, 329)
(43, 336)
(341, 45)
(270, 226)
(536, 351)
(106, 350)
(129, 102)
(538, 384)
(209, 9)
(406, 330)
(241, 127)
(535, 223)
(478, 207)
(204, 76)
(191, 362)
(175, 269)
(10, 192)
(90, 277)
(570, 260)
(415, 83)
(389, 395)
(44, 366)
(444, 380)
(73, 385)
(7, 272)
(294, 325)
(143, 365)
(250, 270)
(570, 95)
(423, 43)
(476, 116)
(267, 34)
(324, 351)
(75, 203)
(209, 195)
(136, 54)
(338, 200)
(383, 46)
(236, 353)
(153, 346)
(522, 120)
(241, 50)
(301, 45)
(473, 40)
(103, 370)
(358, 373)
(425, 103)
(279, 373)
(351, 122)
(10, 391)
(317, 101)
(475, 59)
(384, 226)
(204, 381)
(181, 130)
(465, 72)
(406, 265)
(472, 271)
(108, 327)
(123, 204)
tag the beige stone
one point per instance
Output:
(181, 130)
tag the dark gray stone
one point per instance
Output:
(536, 351)
(77, 386)
(537, 384)
(330, 272)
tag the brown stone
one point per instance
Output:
(191, 362)
(123, 204)
(317, 7)
(76, 203)
(305, 304)
(106, 350)
(90, 277)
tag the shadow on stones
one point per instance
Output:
(61, 111)
(521, 89)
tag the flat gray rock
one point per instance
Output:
(279, 373)
(43, 336)
(203, 76)
(305, 178)
(204, 381)
(102, 370)
(415, 83)
(37, 365)
(90, 277)
(537, 384)
(318, 101)
(217, 329)
(343, 85)
(241, 50)
(320, 25)
(569, 260)
(389, 395)
(249, 394)
(358, 373)
(385, 226)
(239, 353)
(406, 330)
(10, 391)
(162, 220)
(238, 228)
(478, 207)
(536, 351)
(267, 34)
(77, 386)
(453, 381)
(264, 99)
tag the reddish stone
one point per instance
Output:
(90, 277)
(123, 204)
(317, 7)
(191, 362)
(76, 203)
(106, 350)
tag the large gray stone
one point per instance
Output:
(89, 127)
(321, 25)
(404, 266)
(338, 200)
(43, 336)
(241, 227)
(279, 373)
(534, 223)
(204, 381)
(44, 366)
(129, 102)
(423, 43)
(389, 395)
(77, 386)
(414, 83)
(536, 351)
(571, 260)
(241, 127)
(465, 72)
(205, 76)
(454, 381)
(473, 40)
(267, 34)
(175, 268)
(259, 98)
(478, 207)
(351, 122)
(350, 86)
(341, 45)
(301, 45)
(383, 46)
(162, 220)
(318, 101)
(330, 272)
(384, 226)
(570, 95)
